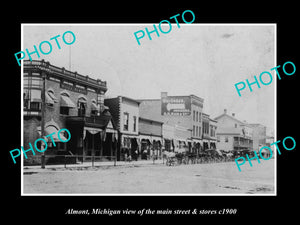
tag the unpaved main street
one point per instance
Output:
(133, 178)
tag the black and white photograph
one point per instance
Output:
(149, 113)
(154, 117)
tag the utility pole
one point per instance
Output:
(43, 119)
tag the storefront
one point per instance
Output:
(196, 146)
(89, 136)
(110, 141)
(129, 147)
(151, 146)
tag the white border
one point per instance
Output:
(158, 194)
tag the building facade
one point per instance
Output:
(205, 131)
(66, 100)
(150, 138)
(259, 136)
(125, 113)
(181, 117)
(233, 134)
(213, 125)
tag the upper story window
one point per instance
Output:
(81, 105)
(32, 83)
(100, 101)
(65, 103)
(94, 108)
(32, 99)
(126, 121)
(134, 124)
(50, 98)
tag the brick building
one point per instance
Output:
(181, 117)
(71, 101)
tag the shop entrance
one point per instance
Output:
(92, 143)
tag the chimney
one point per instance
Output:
(233, 114)
(163, 94)
(225, 111)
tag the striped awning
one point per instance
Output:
(94, 106)
(66, 102)
(49, 130)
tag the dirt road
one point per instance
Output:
(216, 178)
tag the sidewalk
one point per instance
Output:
(38, 168)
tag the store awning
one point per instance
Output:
(49, 100)
(52, 96)
(82, 100)
(94, 106)
(66, 102)
(92, 130)
(50, 130)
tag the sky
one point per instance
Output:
(205, 60)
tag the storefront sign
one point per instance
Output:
(73, 88)
(176, 105)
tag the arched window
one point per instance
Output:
(95, 109)
(50, 97)
(81, 105)
(65, 103)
